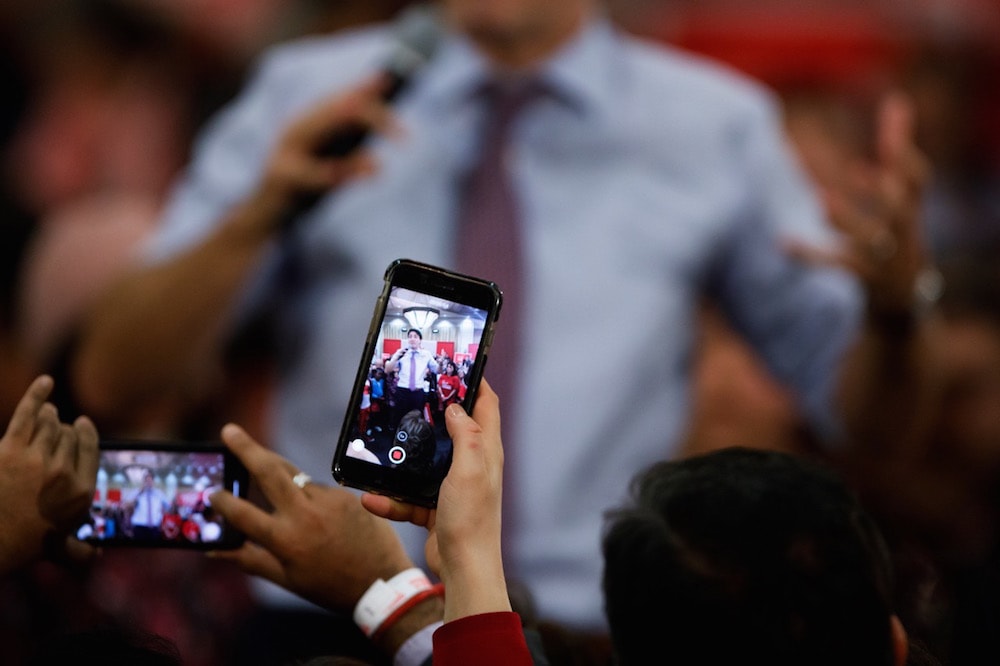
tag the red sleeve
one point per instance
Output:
(487, 639)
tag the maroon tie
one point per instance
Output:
(489, 232)
(489, 246)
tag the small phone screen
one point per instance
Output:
(423, 360)
(159, 496)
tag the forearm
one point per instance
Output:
(475, 586)
(162, 326)
(20, 544)
(886, 388)
(425, 613)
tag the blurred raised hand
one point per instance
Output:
(876, 204)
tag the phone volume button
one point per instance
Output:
(488, 337)
(375, 322)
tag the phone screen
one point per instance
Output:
(157, 494)
(426, 350)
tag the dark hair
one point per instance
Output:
(416, 437)
(417, 331)
(744, 553)
(114, 645)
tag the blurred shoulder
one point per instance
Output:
(694, 80)
(322, 60)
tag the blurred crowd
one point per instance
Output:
(103, 99)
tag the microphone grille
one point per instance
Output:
(418, 33)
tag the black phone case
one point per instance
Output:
(463, 291)
(196, 468)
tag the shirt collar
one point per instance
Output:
(579, 74)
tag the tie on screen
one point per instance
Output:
(413, 370)
(490, 228)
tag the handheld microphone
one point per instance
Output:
(418, 32)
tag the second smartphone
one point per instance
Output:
(426, 348)
(156, 494)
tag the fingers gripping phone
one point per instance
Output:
(426, 348)
(156, 494)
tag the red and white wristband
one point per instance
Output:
(387, 600)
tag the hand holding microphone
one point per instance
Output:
(321, 149)
(418, 33)
(297, 172)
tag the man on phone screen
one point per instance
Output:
(410, 362)
(148, 509)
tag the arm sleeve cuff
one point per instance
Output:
(487, 639)
(416, 651)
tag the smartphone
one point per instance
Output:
(156, 494)
(426, 348)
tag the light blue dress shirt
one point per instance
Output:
(648, 178)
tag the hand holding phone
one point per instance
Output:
(316, 541)
(430, 314)
(47, 472)
(463, 542)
